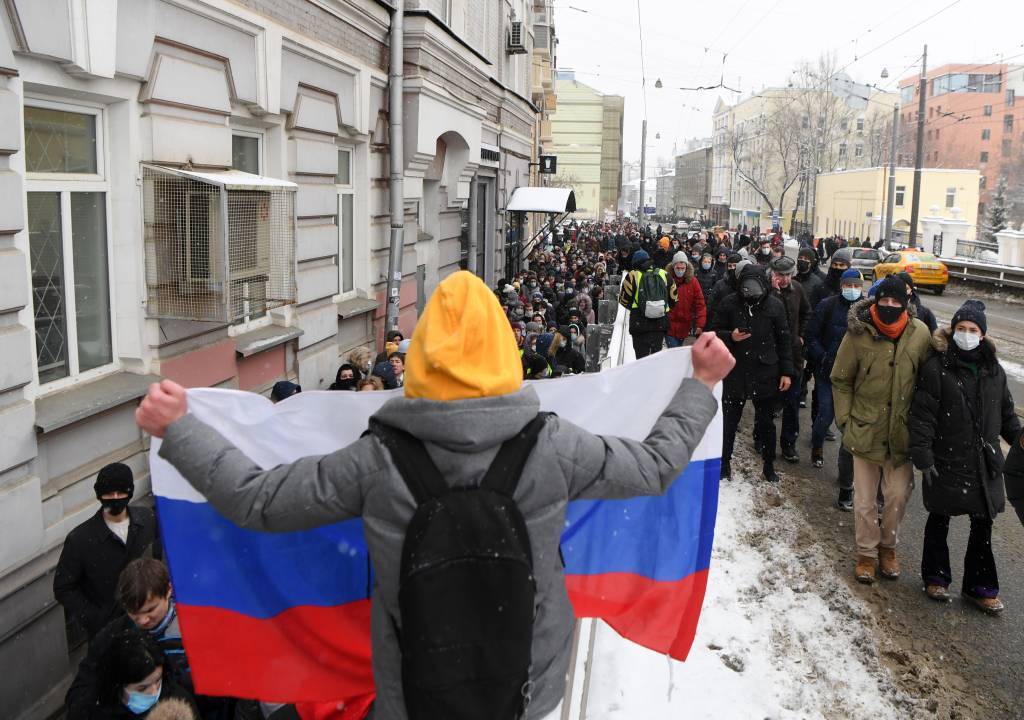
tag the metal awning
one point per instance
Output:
(542, 199)
(230, 179)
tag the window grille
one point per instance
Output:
(219, 246)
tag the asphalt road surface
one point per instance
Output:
(982, 654)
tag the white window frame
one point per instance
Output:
(950, 197)
(900, 195)
(343, 190)
(65, 184)
(260, 140)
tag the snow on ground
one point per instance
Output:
(1013, 369)
(780, 636)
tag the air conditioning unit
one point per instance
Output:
(516, 39)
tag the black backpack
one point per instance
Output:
(466, 586)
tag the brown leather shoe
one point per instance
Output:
(865, 570)
(888, 565)
(990, 606)
(939, 593)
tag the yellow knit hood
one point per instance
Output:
(463, 346)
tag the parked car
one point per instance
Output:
(865, 259)
(926, 270)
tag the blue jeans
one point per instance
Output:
(826, 411)
(673, 342)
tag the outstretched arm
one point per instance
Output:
(309, 492)
(614, 467)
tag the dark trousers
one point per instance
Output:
(764, 425)
(980, 578)
(845, 469)
(791, 413)
(647, 343)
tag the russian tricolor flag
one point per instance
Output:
(284, 617)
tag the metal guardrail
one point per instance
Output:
(975, 271)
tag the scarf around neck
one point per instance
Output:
(893, 330)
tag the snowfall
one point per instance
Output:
(780, 636)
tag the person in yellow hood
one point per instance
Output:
(463, 400)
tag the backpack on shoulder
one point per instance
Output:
(652, 294)
(467, 594)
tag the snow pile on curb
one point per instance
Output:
(781, 636)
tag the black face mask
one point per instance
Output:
(835, 274)
(803, 266)
(346, 384)
(751, 291)
(115, 506)
(889, 315)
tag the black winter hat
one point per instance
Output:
(894, 288)
(972, 311)
(734, 258)
(284, 389)
(115, 477)
(807, 253)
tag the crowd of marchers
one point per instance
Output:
(897, 391)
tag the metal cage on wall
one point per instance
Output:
(220, 246)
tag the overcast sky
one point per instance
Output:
(762, 40)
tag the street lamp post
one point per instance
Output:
(915, 208)
(643, 171)
(890, 203)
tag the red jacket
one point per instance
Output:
(690, 309)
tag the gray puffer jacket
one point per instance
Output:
(462, 437)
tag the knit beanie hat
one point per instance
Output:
(734, 258)
(972, 311)
(892, 287)
(640, 256)
(851, 274)
(807, 253)
(680, 257)
(115, 477)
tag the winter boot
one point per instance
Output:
(845, 501)
(865, 570)
(789, 454)
(768, 471)
(817, 457)
(989, 606)
(938, 593)
(888, 565)
(726, 471)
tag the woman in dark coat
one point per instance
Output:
(961, 408)
(753, 325)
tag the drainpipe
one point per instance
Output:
(396, 158)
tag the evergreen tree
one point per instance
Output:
(996, 217)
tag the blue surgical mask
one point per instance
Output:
(140, 703)
(851, 294)
(706, 265)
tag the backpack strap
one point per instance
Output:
(413, 461)
(503, 474)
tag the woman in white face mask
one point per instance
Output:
(961, 408)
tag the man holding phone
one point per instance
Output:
(753, 325)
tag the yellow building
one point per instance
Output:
(586, 132)
(851, 203)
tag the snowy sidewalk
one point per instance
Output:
(780, 636)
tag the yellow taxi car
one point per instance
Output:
(925, 269)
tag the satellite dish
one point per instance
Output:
(657, 84)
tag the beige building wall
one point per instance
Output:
(587, 139)
(850, 203)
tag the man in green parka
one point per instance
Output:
(873, 383)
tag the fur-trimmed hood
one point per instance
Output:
(687, 277)
(858, 319)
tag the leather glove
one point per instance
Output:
(929, 474)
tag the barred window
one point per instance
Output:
(220, 246)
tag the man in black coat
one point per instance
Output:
(810, 276)
(753, 325)
(962, 406)
(724, 287)
(95, 552)
(798, 313)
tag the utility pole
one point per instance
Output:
(890, 203)
(643, 170)
(915, 208)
